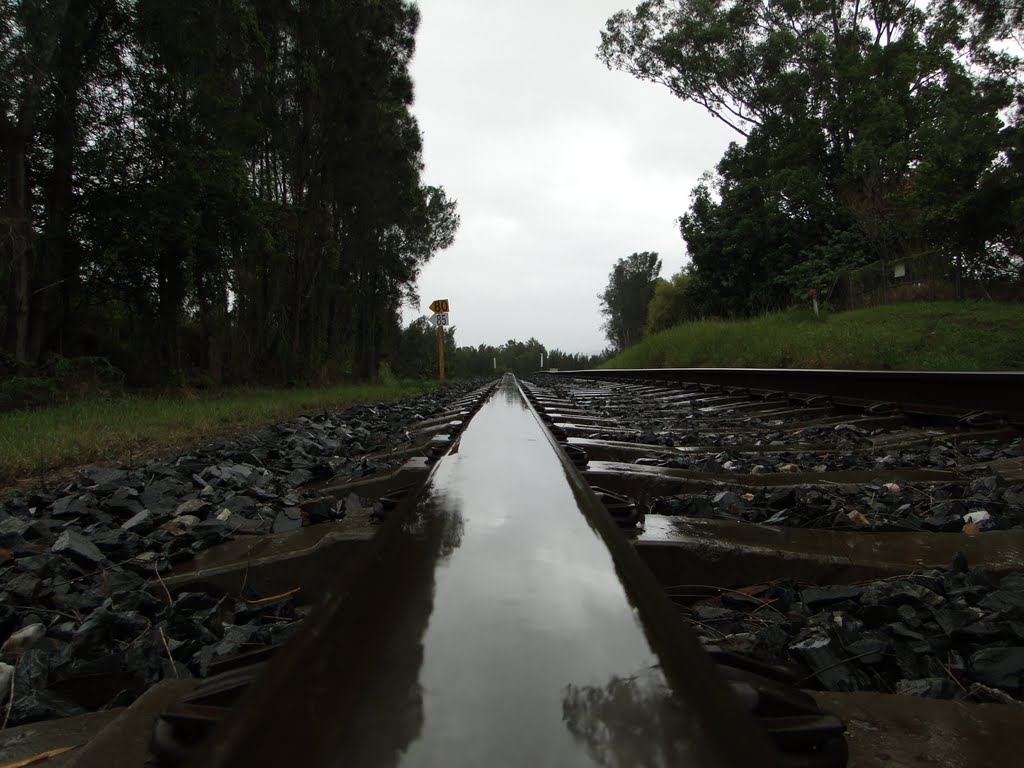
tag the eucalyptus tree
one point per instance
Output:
(342, 165)
(30, 33)
(223, 188)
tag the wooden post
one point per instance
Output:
(440, 350)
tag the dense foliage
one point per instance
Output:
(519, 357)
(416, 356)
(209, 190)
(631, 286)
(868, 131)
(670, 305)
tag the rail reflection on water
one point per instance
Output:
(498, 626)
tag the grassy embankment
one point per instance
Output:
(956, 336)
(36, 442)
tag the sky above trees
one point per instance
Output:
(560, 166)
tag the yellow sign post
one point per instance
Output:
(440, 309)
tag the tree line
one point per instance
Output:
(416, 355)
(228, 191)
(866, 132)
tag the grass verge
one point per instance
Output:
(36, 442)
(955, 336)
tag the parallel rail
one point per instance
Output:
(913, 391)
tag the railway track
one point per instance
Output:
(544, 596)
(654, 437)
(876, 521)
(505, 621)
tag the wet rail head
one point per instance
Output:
(495, 627)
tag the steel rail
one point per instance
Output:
(1001, 391)
(501, 620)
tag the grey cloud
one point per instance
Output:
(560, 166)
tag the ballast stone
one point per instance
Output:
(142, 523)
(999, 668)
(22, 640)
(77, 548)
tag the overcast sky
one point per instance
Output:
(560, 166)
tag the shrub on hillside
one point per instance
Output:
(57, 379)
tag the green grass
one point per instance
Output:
(955, 336)
(36, 442)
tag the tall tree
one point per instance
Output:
(866, 130)
(206, 190)
(29, 36)
(670, 304)
(624, 302)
